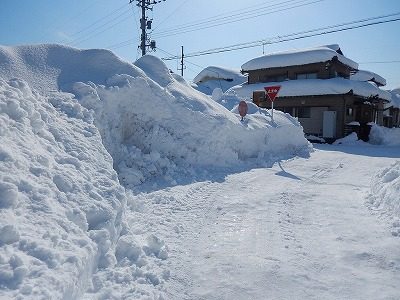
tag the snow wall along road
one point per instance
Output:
(71, 124)
(160, 126)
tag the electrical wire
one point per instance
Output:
(136, 20)
(279, 39)
(96, 22)
(234, 19)
(96, 32)
(168, 17)
(66, 21)
(222, 16)
(128, 42)
(186, 61)
(379, 62)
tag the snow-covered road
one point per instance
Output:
(298, 230)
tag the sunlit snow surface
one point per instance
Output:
(120, 181)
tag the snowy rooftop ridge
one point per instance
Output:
(298, 57)
(217, 72)
(307, 87)
(395, 101)
(363, 75)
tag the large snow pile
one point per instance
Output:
(54, 67)
(163, 127)
(213, 77)
(60, 199)
(385, 191)
(351, 139)
(63, 234)
(380, 135)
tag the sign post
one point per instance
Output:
(272, 92)
(243, 108)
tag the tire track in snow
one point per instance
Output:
(270, 234)
(293, 238)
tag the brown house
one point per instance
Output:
(316, 88)
(391, 117)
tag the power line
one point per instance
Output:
(128, 42)
(121, 44)
(187, 61)
(379, 62)
(168, 17)
(96, 22)
(136, 20)
(218, 17)
(96, 31)
(279, 39)
(65, 20)
(233, 19)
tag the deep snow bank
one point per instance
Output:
(163, 127)
(385, 191)
(60, 200)
(151, 122)
(54, 67)
(62, 207)
(380, 135)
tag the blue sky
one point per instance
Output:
(114, 25)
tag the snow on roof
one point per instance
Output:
(334, 47)
(297, 57)
(363, 75)
(396, 91)
(395, 101)
(217, 77)
(309, 87)
(218, 73)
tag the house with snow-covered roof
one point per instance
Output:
(391, 116)
(363, 75)
(214, 77)
(391, 110)
(316, 87)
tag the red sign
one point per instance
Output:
(272, 91)
(243, 108)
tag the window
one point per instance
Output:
(304, 112)
(288, 110)
(274, 78)
(307, 76)
(349, 111)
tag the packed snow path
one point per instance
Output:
(299, 230)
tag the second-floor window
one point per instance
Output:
(307, 76)
(273, 78)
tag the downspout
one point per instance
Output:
(344, 115)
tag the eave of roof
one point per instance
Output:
(317, 87)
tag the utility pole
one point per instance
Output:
(145, 24)
(182, 62)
